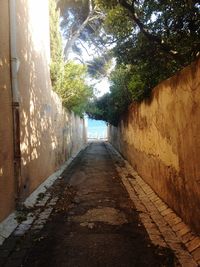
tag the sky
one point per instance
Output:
(103, 85)
(96, 129)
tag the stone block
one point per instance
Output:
(196, 254)
(22, 229)
(193, 244)
(183, 231)
(179, 226)
(166, 212)
(187, 237)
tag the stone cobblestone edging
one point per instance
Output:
(10, 224)
(37, 220)
(164, 226)
(10, 254)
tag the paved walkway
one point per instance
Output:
(100, 213)
(164, 226)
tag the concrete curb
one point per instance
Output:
(10, 224)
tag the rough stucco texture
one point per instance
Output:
(7, 185)
(49, 135)
(161, 139)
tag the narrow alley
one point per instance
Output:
(99, 133)
(93, 221)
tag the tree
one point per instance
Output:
(75, 92)
(99, 67)
(150, 41)
(176, 24)
(80, 23)
(172, 26)
(161, 22)
(68, 79)
(57, 62)
(125, 88)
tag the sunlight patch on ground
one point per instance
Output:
(106, 214)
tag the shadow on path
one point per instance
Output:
(94, 223)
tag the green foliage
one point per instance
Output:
(98, 108)
(57, 62)
(99, 67)
(68, 79)
(149, 63)
(106, 5)
(118, 23)
(153, 40)
(81, 23)
(126, 87)
(150, 40)
(74, 90)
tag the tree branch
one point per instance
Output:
(85, 48)
(151, 37)
(77, 33)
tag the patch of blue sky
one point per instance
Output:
(97, 129)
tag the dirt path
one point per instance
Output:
(94, 224)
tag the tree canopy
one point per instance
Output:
(149, 39)
(68, 78)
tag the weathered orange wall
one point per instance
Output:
(161, 139)
(7, 184)
(48, 134)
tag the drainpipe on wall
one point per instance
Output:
(15, 97)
